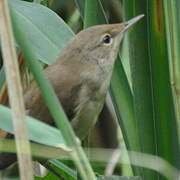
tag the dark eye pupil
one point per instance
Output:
(107, 39)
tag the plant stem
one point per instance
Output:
(15, 94)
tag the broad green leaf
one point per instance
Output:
(47, 33)
(153, 104)
(44, 134)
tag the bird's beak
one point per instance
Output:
(132, 21)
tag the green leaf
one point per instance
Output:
(47, 33)
(62, 169)
(49, 176)
(123, 103)
(153, 104)
(171, 11)
(44, 134)
(58, 170)
(141, 83)
(91, 18)
(119, 178)
(80, 5)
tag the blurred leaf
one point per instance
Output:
(58, 170)
(52, 101)
(123, 103)
(1, 60)
(62, 169)
(49, 176)
(119, 178)
(141, 83)
(172, 16)
(44, 134)
(165, 121)
(80, 5)
(38, 151)
(56, 5)
(91, 18)
(10, 179)
(47, 33)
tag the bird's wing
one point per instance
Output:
(66, 84)
(87, 110)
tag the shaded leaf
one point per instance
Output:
(44, 134)
(153, 105)
(47, 33)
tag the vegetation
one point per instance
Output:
(138, 138)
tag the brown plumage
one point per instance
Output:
(81, 76)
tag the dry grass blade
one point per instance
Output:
(15, 93)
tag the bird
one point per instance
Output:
(80, 77)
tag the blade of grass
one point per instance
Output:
(53, 103)
(141, 81)
(62, 169)
(171, 11)
(15, 94)
(38, 150)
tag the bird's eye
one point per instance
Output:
(107, 39)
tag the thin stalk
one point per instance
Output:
(15, 94)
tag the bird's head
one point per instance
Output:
(102, 41)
